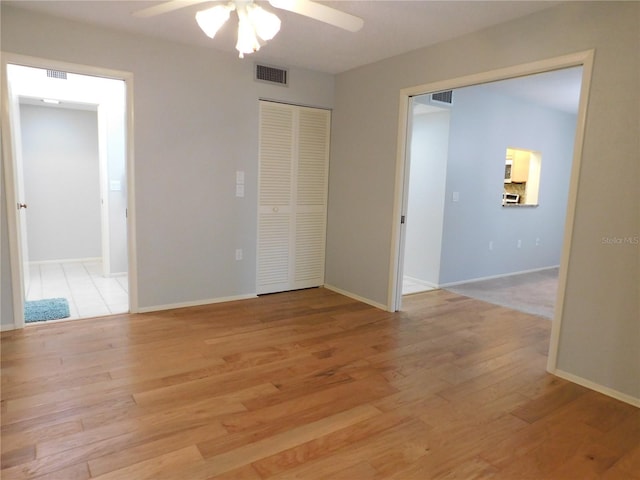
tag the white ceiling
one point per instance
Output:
(390, 27)
(558, 89)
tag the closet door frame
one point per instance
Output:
(274, 210)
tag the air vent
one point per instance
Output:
(265, 73)
(57, 74)
(443, 97)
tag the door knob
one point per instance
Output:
(22, 205)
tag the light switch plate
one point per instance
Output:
(239, 190)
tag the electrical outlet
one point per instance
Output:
(537, 241)
(491, 245)
(519, 243)
(238, 254)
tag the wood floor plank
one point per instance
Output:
(255, 426)
(252, 452)
(157, 424)
(30, 436)
(627, 466)
(156, 467)
(309, 385)
(79, 471)
(17, 456)
(549, 402)
(325, 445)
(387, 440)
(359, 470)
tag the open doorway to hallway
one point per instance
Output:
(68, 133)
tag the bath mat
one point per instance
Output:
(46, 309)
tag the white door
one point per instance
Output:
(294, 163)
(21, 204)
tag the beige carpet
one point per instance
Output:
(533, 293)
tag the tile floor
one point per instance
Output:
(411, 285)
(89, 293)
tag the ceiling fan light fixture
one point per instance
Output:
(252, 20)
(247, 41)
(265, 24)
(212, 19)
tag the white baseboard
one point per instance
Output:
(157, 308)
(420, 281)
(67, 260)
(492, 277)
(5, 327)
(356, 297)
(610, 392)
(117, 274)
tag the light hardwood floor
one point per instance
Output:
(308, 385)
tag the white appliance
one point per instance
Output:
(507, 171)
(510, 198)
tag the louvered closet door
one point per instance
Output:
(294, 160)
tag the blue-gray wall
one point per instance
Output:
(62, 182)
(483, 125)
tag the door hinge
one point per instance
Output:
(403, 219)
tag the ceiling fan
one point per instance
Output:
(254, 21)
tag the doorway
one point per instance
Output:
(428, 153)
(68, 169)
(460, 230)
(580, 59)
(583, 59)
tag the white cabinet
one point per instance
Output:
(292, 210)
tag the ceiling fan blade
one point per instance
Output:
(165, 7)
(321, 12)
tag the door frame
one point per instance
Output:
(585, 60)
(13, 221)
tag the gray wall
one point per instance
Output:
(61, 179)
(115, 117)
(196, 124)
(600, 336)
(483, 125)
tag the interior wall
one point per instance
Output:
(115, 119)
(61, 175)
(425, 213)
(599, 339)
(196, 124)
(6, 292)
(480, 236)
